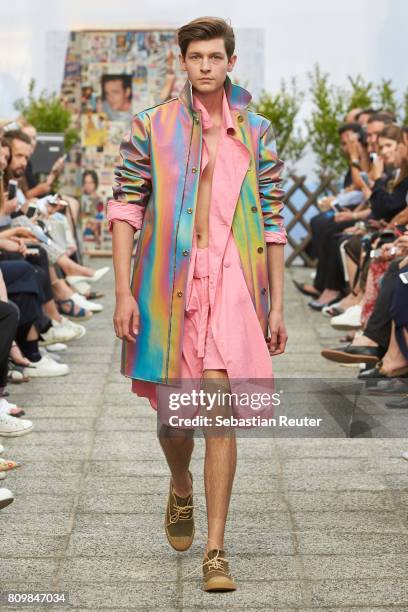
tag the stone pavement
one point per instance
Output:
(315, 524)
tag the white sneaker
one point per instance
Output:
(6, 406)
(57, 333)
(43, 351)
(11, 427)
(6, 497)
(404, 455)
(80, 286)
(350, 319)
(88, 279)
(80, 329)
(1, 449)
(56, 348)
(46, 367)
(82, 302)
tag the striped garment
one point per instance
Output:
(158, 179)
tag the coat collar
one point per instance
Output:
(207, 121)
(237, 97)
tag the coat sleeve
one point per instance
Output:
(270, 190)
(133, 184)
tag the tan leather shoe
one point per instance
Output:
(216, 572)
(179, 520)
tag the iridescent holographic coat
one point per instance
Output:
(160, 172)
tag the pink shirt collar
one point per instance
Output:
(207, 121)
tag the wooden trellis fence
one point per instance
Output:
(325, 187)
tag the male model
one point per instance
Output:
(201, 179)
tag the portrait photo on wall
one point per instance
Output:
(117, 96)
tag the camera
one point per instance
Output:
(12, 190)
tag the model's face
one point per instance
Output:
(89, 186)
(4, 157)
(206, 63)
(117, 96)
(373, 129)
(21, 153)
(391, 151)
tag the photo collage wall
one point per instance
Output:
(109, 76)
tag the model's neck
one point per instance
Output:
(212, 101)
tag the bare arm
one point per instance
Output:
(276, 267)
(277, 328)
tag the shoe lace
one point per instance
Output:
(216, 563)
(181, 513)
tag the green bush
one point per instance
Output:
(329, 109)
(47, 114)
(361, 95)
(282, 109)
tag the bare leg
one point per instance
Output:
(219, 467)
(178, 447)
(393, 358)
(51, 310)
(72, 268)
(32, 333)
(327, 295)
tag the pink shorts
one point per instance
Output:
(199, 350)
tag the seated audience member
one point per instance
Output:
(20, 149)
(37, 189)
(330, 282)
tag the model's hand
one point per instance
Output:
(126, 317)
(277, 341)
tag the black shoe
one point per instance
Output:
(398, 403)
(391, 386)
(353, 354)
(301, 288)
(316, 305)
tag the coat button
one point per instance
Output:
(179, 293)
(260, 249)
(189, 210)
(240, 118)
(194, 170)
(227, 264)
(185, 252)
(254, 208)
(263, 290)
(196, 120)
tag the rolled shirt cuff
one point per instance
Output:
(277, 236)
(121, 211)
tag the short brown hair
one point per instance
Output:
(17, 135)
(206, 28)
(393, 132)
(382, 116)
